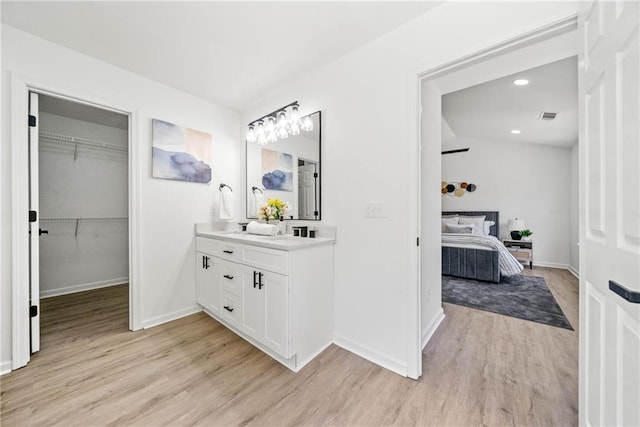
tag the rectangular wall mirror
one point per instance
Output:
(288, 169)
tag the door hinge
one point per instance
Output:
(34, 310)
(417, 241)
(32, 121)
(315, 174)
(33, 216)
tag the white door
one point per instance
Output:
(610, 229)
(34, 224)
(204, 278)
(307, 181)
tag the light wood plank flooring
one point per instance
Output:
(480, 368)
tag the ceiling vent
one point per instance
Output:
(547, 116)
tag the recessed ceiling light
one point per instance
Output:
(515, 131)
(521, 82)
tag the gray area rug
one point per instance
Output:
(524, 297)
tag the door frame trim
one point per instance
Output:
(539, 34)
(20, 88)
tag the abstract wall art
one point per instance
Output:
(277, 170)
(458, 189)
(180, 153)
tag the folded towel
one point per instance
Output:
(263, 229)
(226, 205)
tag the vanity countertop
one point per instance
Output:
(284, 242)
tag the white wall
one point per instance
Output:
(574, 249)
(369, 108)
(526, 181)
(95, 185)
(168, 209)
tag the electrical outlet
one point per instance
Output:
(374, 210)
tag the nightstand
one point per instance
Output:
(521, 250)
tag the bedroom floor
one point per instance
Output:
(479, 368)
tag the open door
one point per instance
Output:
(610, 228)
(307, 191)
(34, 225)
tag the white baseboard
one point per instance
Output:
(427, 333)
(574, 272)
(159, 320)
(82, 287)
(550, 264)
(5, 367)
(372, 356)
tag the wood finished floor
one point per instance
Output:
(480, 368)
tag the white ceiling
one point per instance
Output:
(232, 53)
(491, 110)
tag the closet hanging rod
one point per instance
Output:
(64, 139)
(224, 185)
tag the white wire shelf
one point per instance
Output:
(76, 221)
(80, 142)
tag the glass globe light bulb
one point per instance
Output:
(282, 120)
(307, 124)
(294, 115)
(271, 125)
(251, 135)
(260, 129)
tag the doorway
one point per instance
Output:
(79, 190)
(24, 97)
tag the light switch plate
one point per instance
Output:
(374, 210)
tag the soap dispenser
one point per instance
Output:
(282, 227)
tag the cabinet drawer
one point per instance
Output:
(266, 259)
(231, 308)
(208, 246)
(231, 277)
(229, 251)
(521, 253)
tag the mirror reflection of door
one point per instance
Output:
(307, 185)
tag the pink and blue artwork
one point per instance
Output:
(277, 170)
(180, 153)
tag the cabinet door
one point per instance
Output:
(203, 279)
(252, 312)
(208, 282)
(275, 295)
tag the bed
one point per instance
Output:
(477, 257)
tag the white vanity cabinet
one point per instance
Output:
(278, 295)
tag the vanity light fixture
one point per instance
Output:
(515, 131)
(521, 82)
(277, 125)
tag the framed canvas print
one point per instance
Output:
(180, 153)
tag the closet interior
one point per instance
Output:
(83, 196)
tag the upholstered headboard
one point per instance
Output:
(489, 216)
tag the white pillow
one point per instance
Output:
(460, 229)
(487, 227)
(448, 220)
(477, 221)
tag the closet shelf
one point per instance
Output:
(76, 221)
(85, 219)
(80, 142)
